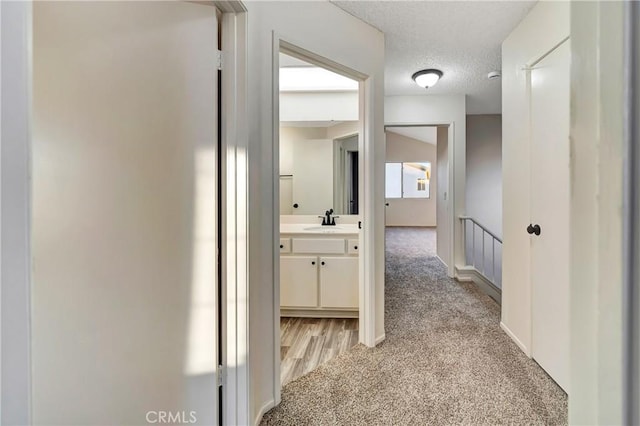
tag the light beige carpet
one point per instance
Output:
(445, 359)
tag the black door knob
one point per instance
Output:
(533, 229)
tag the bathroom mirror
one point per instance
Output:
(319, 158)
(319, 171)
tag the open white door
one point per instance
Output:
(550, 83)
(125, 318)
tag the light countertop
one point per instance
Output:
(316, 229)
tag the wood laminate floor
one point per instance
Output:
(305, 343)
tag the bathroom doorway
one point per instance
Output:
(320, 184)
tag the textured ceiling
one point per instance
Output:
(461, 38)
(427, 134)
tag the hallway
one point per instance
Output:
(445, 359)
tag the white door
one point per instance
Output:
(339, 282)
(550, 211)
(299, 281)
(124, 301)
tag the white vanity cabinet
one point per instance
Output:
(319, 275)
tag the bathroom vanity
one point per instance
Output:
(319, 270)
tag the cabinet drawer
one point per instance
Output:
(318, 245)
(352, 246)
(285, 245)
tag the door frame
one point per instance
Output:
(366, 297)
(631, 230)
(234, 211)
(15, 212)
(453, 220)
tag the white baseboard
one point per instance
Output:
(266, 407)
(513, 337)
(380, 339)
(442, 261)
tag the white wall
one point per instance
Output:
(288, 136)
(319, 106)
(123, 170)
(349, 42)
(443, 110)
(443, 242)
(15, 267)
(484, 170)
(412, 211)
(343, 129)
(597, 163)
(543, 28)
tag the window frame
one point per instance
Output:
(402, 197)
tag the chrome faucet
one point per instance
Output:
(328, 219)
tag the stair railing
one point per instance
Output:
(471, 227)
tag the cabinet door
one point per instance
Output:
(299, 281)
(339, 282)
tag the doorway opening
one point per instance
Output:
(416, 190)
(320, 186)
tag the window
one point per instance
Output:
(407, 180)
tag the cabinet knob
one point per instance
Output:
(355, 247)
(313, 262)
(281, 246)
(322, 263)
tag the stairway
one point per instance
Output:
(483, 258)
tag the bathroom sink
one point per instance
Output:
(323, 228)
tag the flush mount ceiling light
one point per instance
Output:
(427, 78)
